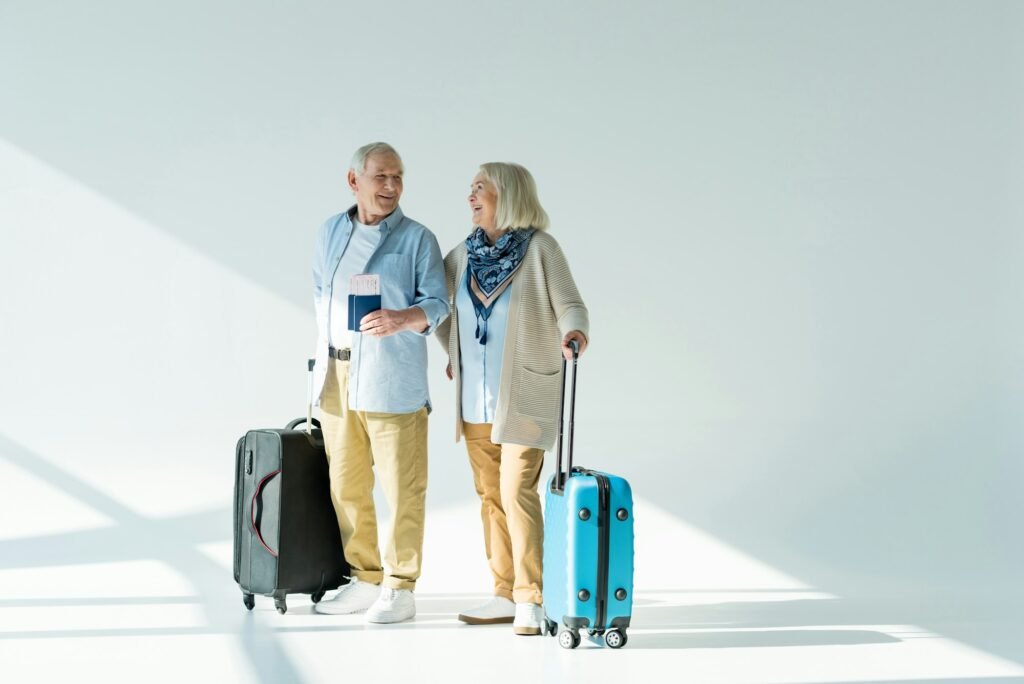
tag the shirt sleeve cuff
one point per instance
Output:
(432, 320)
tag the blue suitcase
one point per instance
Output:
(588, 547)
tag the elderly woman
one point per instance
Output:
(515, 309)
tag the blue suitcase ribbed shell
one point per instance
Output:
(573, 598)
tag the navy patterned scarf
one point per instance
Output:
(490, 270)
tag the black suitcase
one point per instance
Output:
(286, 532)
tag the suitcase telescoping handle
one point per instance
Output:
(558, 484)
(309, 420)
(309, 395)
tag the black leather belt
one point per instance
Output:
(339, 354)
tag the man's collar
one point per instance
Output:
(389, 223)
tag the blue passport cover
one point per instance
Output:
(359, 306)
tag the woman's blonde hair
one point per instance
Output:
(518, 205)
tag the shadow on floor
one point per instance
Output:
(768, 639)
(788, 621)
(132, 536)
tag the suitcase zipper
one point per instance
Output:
(239, 479)
(603, 530)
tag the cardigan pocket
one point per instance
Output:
(538, 394)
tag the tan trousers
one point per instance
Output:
(396, 445)
(505, 476)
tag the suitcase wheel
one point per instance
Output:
(550, 627)
(615, 638)
(316, 598)
(568, 638)
(249, 601)
(281, 605)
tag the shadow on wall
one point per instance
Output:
(839, 465)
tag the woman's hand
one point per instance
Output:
(448, 370)
(581, 340)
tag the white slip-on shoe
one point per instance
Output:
(354, 597)
(499, 609)
(392, 605)
(529, 617)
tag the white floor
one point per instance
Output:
(93, 591)
(73, 624)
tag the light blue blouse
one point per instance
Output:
(481, 363)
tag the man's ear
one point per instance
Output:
(352, 182)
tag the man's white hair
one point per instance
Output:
(358, 163)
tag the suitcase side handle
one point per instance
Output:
(558, 482)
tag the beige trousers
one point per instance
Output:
(395, 444)
(505, 476)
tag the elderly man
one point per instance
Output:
(373, 382)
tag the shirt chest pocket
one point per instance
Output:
(397, 280)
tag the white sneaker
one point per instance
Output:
(497, 610)
(393, 605)
(354, 597)
(529, 618)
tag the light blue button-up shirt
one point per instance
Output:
(386, 374)
(481, 363)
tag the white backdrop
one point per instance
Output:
(797, 227)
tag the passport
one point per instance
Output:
(359, 306)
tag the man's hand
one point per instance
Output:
(384, 322)
(448, 371)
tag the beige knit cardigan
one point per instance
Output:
(544, 305)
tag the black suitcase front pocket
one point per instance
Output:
(265, 511)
